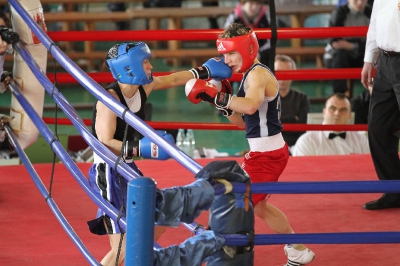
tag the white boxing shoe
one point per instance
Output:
(298, 256)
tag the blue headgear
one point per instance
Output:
(127, 65)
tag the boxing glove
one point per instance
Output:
(146, 149)
(197, 90)
(226, 87)
(213, 68)
(225, 92)
(222, 85)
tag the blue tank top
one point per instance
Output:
(265, 122)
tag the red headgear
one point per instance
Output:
(246, 45)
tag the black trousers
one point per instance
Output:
(384, 121)
(344, 59)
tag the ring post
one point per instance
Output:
(140, 222)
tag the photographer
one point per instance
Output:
(4, 48)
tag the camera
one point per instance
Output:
(8, 35)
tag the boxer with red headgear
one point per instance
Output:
(257, 109)
(246, 45)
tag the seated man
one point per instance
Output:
(337, 111)
(360, 107)
(119, 7)
(295, 105)
(347, 52)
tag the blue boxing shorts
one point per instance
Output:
(105, 180)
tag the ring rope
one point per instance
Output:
(299, 74)
(202, 35)
(323, 187)
(224, 126)
(316, 238)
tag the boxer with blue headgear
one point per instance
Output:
(130, 66)
(125, 62)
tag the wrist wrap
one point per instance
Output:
(131, 149)
(201, 72)
(222, 102)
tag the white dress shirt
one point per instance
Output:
(384, 29)
(318, 143)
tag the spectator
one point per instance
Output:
(4, 47)
(337, 111)
(213, 20)
(347, 52)
(295, 104)
(341, 2)
(294, 2)
(118, 7)
(253, 14)
(383, 50)
(360, 107)
(160, 3)
(6, 149)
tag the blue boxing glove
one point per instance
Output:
(147, 149)
(213, 68)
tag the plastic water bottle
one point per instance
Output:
(189, 143)
(180, 138)
(190, 138)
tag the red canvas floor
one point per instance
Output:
(32, 236)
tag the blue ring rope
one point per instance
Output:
(316, 238)
(323, 187)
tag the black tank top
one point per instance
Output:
(120, 130)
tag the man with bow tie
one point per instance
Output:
(337, 110)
